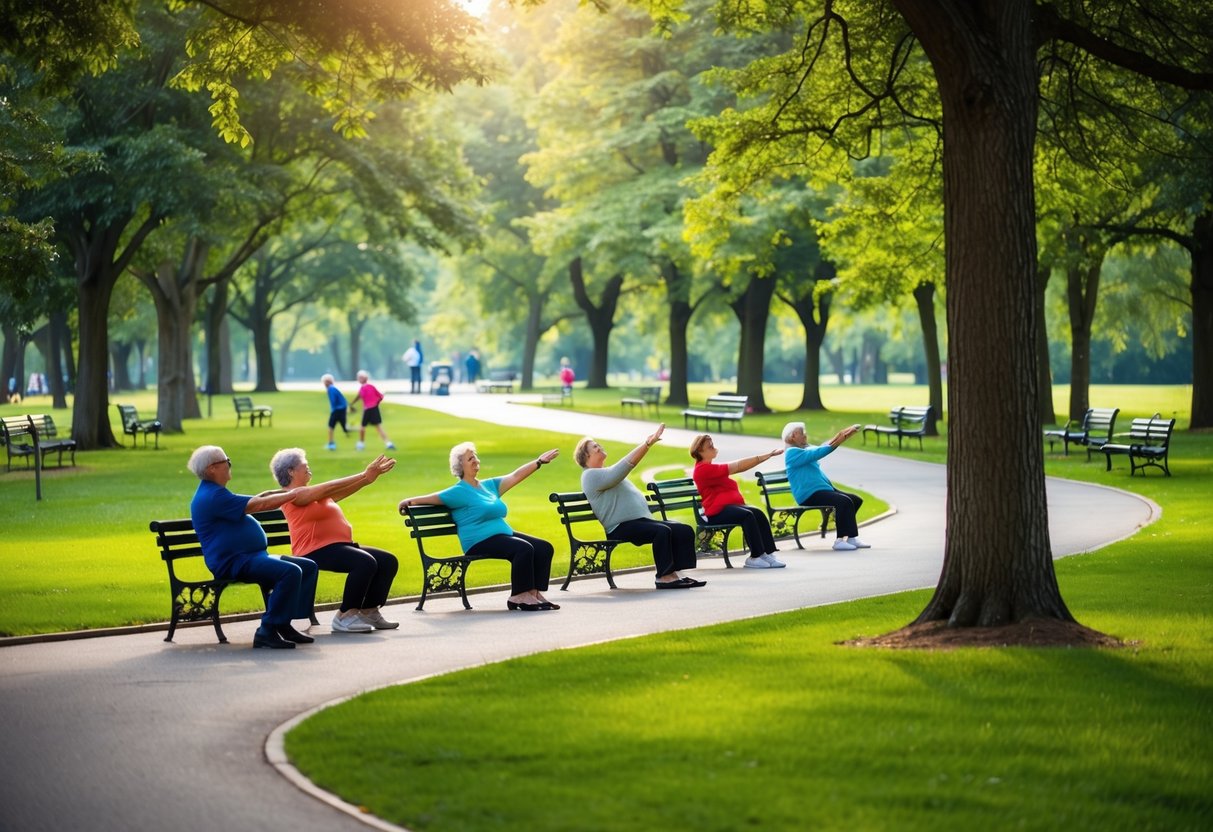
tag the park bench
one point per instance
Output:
(20, 433)
(586, 557)
(1094, 431)
(198, 599)
(17, 432)
(682, 494)
(499, 381)
(562, 397)
(904, 422)
(440, 573)
(721, 408)
(256, 413)
(645, 398)
(133, 425)
(1149, 445)
(785, 517)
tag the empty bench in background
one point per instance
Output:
(132, 425)
(1094, 431)
(256, 413)
(645, 398)
(722, 408)
(562, 397)
(904, 422)
(1148, 446)
(499, 381)
(198, 599)
(785, 517)
(19, 433)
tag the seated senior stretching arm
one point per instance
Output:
(723, 503)
(811, 487)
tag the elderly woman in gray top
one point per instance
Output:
(624, 512)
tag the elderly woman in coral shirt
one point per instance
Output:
(723, 503)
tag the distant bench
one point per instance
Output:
(722, 408)
(904, 422)
(256, 413)
(132, 425)
(562, 397)
(1094, 431)
(499, 381)
(198, 600)
(439, 573)
(1148, 446)
(785, 517)
(645, 398)
(19, 434)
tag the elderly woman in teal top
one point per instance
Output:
(479, 514)
(811, 487)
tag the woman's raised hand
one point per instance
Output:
(655, 436)
(548, 456)
(380, 465)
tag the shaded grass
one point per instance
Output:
(83, 557)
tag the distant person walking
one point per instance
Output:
(370, 397)
(567, 376)
(472, 364)
(413, 359)
(338, 409)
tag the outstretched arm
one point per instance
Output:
(525, 470)
(843, 435)
(739, 465)
(267, 500)
(637, 453)
(344, 487)
(434, 499)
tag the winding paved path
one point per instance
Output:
(129, 733)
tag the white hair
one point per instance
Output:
(204, 457)
(457, 453)
(327, 378)
(286, 461)
(364, 376)
(789, 429)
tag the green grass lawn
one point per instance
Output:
(83, 557)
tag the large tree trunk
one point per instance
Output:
(1082, 293)
(530, 343)
(1044, 373)
(263, 348)
(753, 309)
(601, 318)
(678, 293)
(814, 316)
(998, 566)
(120, 361)
(1202, 321)
(216, 318)
(924, 297)
(90, 416)
(175, 295)
(61, 350)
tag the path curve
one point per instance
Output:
(129, 733)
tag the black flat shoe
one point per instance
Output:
(268, 638)
(514, 605)
(291, 634)
(679, 584)
(548, 605)
(691, 582)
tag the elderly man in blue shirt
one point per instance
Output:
(811, 487)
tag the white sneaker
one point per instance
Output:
(756, 563)
(375, 618)
(350, 622)
(361, 446)
(772, 562)
(859, 544)
(843, 546)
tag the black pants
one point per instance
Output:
(845, 505)
(415, 379)
(754, 526)
(673, 543)
(530, 559)
(369, 572)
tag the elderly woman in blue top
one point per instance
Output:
(479, 514)
(234, 548)
(810, 487)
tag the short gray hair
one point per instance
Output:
(327, 378)
(789, 429)
(204, 457)
(285, 461)
(457, 453)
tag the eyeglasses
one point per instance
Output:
(221, 461)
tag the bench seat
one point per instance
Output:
(1094, 431)
(721, 409)
(132, 425)
(256, 413)
(784, 517)
(440, 573)
(587, 556)
(562, 397)
(18, 434)
(904, 423)
(645, 398)
(1148, 446)
(682, 494)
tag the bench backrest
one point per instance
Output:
(573, 508)
(502, 375)
(650, 395)
(676, 495)
(243, 403)
(1101, 420)
(1153, 431)
(773, 484)
(727, 404)
(177, 538)
(45, 425)
(905, 416)
(130, 417)
(16, 428)
(428, 521)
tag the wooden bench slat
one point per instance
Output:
(721, 408)
(132, 425)
(904, 422)
(586, 556)
(257, 413)
(775, 484)
(1149, 445)
(440, 573)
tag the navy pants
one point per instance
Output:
(754, 526)
(530, 559)
(369, 572)
(673, 543)
(291, 583)
(845, 506)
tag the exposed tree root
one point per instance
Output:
(1036, 632)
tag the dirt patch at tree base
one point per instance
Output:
(1037, 632)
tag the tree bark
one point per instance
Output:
(120, 359)
(1082, 293)
(61, 350)
(601, 318)
(175, 295)
(1044, 372)
(753, 309)
(216, 315)
(530, 343)
(924, 297)
(998, 565)
(678, 292)
(1202, 321)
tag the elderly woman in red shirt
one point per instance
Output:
(723, 503)
(320, 532)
